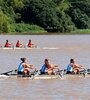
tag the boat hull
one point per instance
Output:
(67, 76)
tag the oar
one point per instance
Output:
(85, 72)
(36, 73)
(7, 73)
(61, 75)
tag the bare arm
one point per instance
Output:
(54, 66)
(78, 66)
(28, 65)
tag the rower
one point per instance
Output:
(18, 44)
(48, 68)
(24, 67)
(7, 44)
(30, 44)
(74, 68)
(43, 69)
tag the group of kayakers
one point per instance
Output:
(47, 68)
(18, 44)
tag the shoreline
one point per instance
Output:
(78, 32)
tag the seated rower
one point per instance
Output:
(7, 44)
(74, 68)
(24, 67)
(48, 68)
(18, 44)
(30, 44)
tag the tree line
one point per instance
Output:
(40, 15)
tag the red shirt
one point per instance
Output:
(18, 44)
(30, 44)
(7, 44)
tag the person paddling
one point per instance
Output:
(24, 67)
(48, 68)
(18, 44)
(74, 68)
(7, 44)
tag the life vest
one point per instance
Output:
(20, 68)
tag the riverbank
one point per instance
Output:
(81, 31)
(43, 32)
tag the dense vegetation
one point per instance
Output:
(44, 15)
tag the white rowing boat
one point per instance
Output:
(61, 74)
(67, 76)
(28, 48)
(17, 48)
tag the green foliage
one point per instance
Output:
(66, 23)
(52, 15)
(81, 20)
(4, 22)
(80, 31)
(23, 28)
(62, 5)
(42, 12)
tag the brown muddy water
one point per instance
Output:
(59, 49)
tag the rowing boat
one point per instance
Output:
(31, 77)
(66, 76)
(28, 48)
(17, 48)
(36, 75)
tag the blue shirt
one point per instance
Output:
(20, 67)
(43, 69)
(69, 68)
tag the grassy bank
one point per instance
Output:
(23, 29)
(81, 31)
(36, 30)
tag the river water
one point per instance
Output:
(60, 49)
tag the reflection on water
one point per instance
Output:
(70, 46)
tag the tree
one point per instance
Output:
(81, 20)
(42, 13)
(4, 22)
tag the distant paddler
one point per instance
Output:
(18, 44)
(74, 68)
(48, 68)
(7, 44)
(30, 44)
(24, 67)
